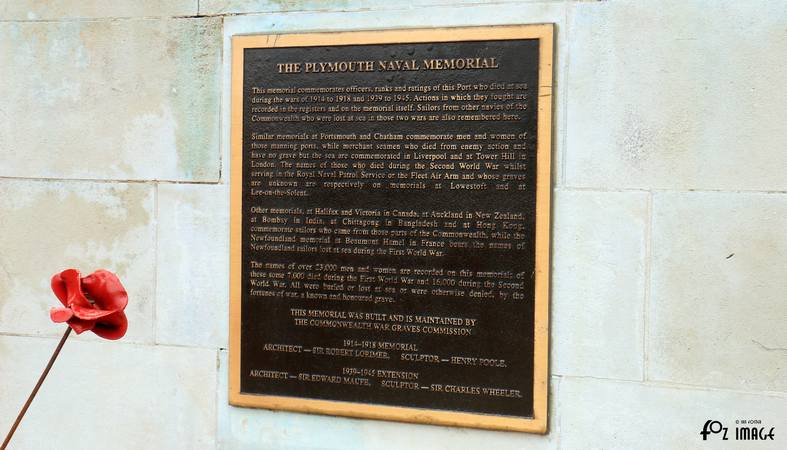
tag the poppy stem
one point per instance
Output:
(35, 389)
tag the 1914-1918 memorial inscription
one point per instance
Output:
(390, 224)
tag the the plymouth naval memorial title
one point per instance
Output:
(390, 224)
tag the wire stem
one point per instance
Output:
(35, 389)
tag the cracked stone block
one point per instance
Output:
(717, 309)
(266, 6)
(108, 395)
(47, 227)
(111, 100)
(614, 415)
(192, 289)
(93, 9)
(598, 283)
(659, 97)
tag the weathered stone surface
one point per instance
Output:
(611, 415)
(249, 429)
(130, 99)
(599, 283)
(429, 17)
(93, 9)
(717, 309)
(47, 227)
(261, 6)
(109, 395)
(193, 259)
(660, 97)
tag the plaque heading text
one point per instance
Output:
(396, 65)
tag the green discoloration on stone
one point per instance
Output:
(125, 100)
(195, 89)
(47, 227)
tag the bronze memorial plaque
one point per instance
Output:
(390, 224)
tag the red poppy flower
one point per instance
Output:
(93, 303)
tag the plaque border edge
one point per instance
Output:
(545, 34)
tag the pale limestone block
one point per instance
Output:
(124, 100)
(192, 292)
(264, 6)
(251, 429)
(109, 395)
(718, 315)
(676, 95)
(93, 9)
(598, 283)
(615, 415)
(426, 17)
(47, 227)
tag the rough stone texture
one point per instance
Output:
(599, 283)
(262, 6)
(47, 227)
(91, 9)
(677, 95)
(612, 415)
(109, 395)
(442, 16)
(251, 429)
(193, 258)
(718, 310)
(130, 99)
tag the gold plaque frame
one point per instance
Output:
(536, 424)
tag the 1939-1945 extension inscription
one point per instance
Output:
(390, 224)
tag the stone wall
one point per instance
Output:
(670, 219)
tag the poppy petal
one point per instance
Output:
(59, 288)
(90, 313)
(73, 285)
(80, 326)
(60, 315)
(94, 303)
(112, 327)
(105, 289)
